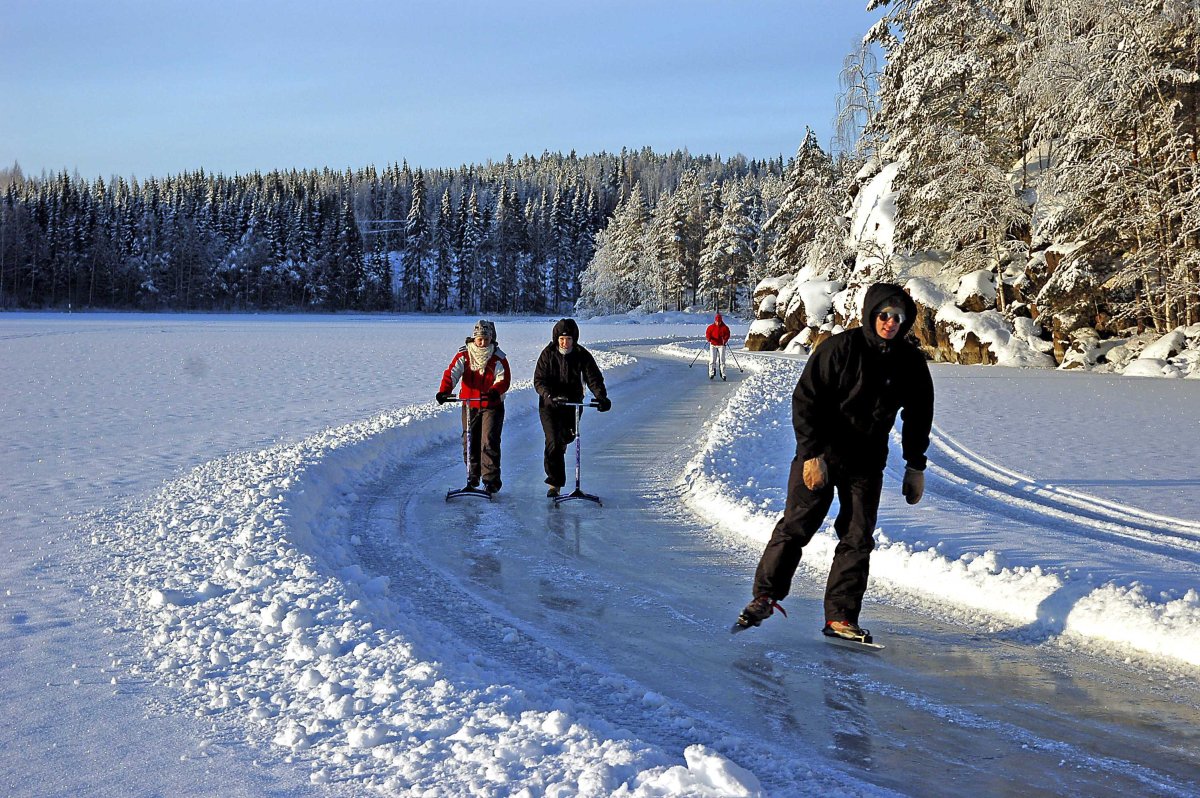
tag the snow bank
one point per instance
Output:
(992, 328)
(244, 582)
(739, 478)
(873, 214)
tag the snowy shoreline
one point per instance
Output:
(1117, 620)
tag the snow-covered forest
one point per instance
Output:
(502, 237)
(1049, 143)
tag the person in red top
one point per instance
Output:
(483, 370)
(717, 336)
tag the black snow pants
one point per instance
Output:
(481, 449)
(558, 423)
(858, 499)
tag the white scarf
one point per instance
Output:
(479, 355)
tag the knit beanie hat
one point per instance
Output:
(486, 329)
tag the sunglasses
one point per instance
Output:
(896, 316)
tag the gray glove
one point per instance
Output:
(913, 487)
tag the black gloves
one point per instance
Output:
(492, 397)
(444, 396)
(913, 486)
(604, 405)
(553, 401)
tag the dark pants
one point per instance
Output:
(558, 423)
(483, 453)
(858, 499)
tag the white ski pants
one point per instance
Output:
(716, 359)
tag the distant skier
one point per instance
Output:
(563, 368)
(843, 409)
(717, 336)
(483, 368)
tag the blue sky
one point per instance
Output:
(156, 87)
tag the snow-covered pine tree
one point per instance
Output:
(945, 110)
(615, 280)
(678, 237)
(805, 212)
(1124, 125)
(418, 249)
(443, 254)
(507, 249)
(729, 249)
(532, 274)
(470, 272)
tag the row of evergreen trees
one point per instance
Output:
(1054, 142)
(498, 238)
(710, 241)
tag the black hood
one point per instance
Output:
(880, 295)
(565, 327)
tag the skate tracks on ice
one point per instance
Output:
(622, 612)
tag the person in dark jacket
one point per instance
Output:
(843, 410)
(563, 368)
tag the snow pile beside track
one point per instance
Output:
(739, 478)
(243, 579)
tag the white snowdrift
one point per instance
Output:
(739, 477)
(243, 579)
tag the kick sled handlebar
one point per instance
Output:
(578, 492)
(467, 400)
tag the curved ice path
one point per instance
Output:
(249, 583)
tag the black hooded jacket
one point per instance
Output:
(853, 384)
(563, 376)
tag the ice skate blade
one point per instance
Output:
(577, 494)
(855, 645)
(477, 492)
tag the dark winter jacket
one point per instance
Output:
(563, 376)
(853, 384)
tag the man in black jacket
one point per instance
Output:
(843, 410)
(561, 372)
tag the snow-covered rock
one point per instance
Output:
(976, 291)
(764, 335)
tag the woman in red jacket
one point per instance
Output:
(483, 369)
(717, 336)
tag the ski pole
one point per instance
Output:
(697, 357)
(735, 360)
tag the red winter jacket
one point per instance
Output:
(475, 385)
(717, 333)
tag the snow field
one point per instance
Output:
(243, 579)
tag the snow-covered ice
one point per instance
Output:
(185, 591)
